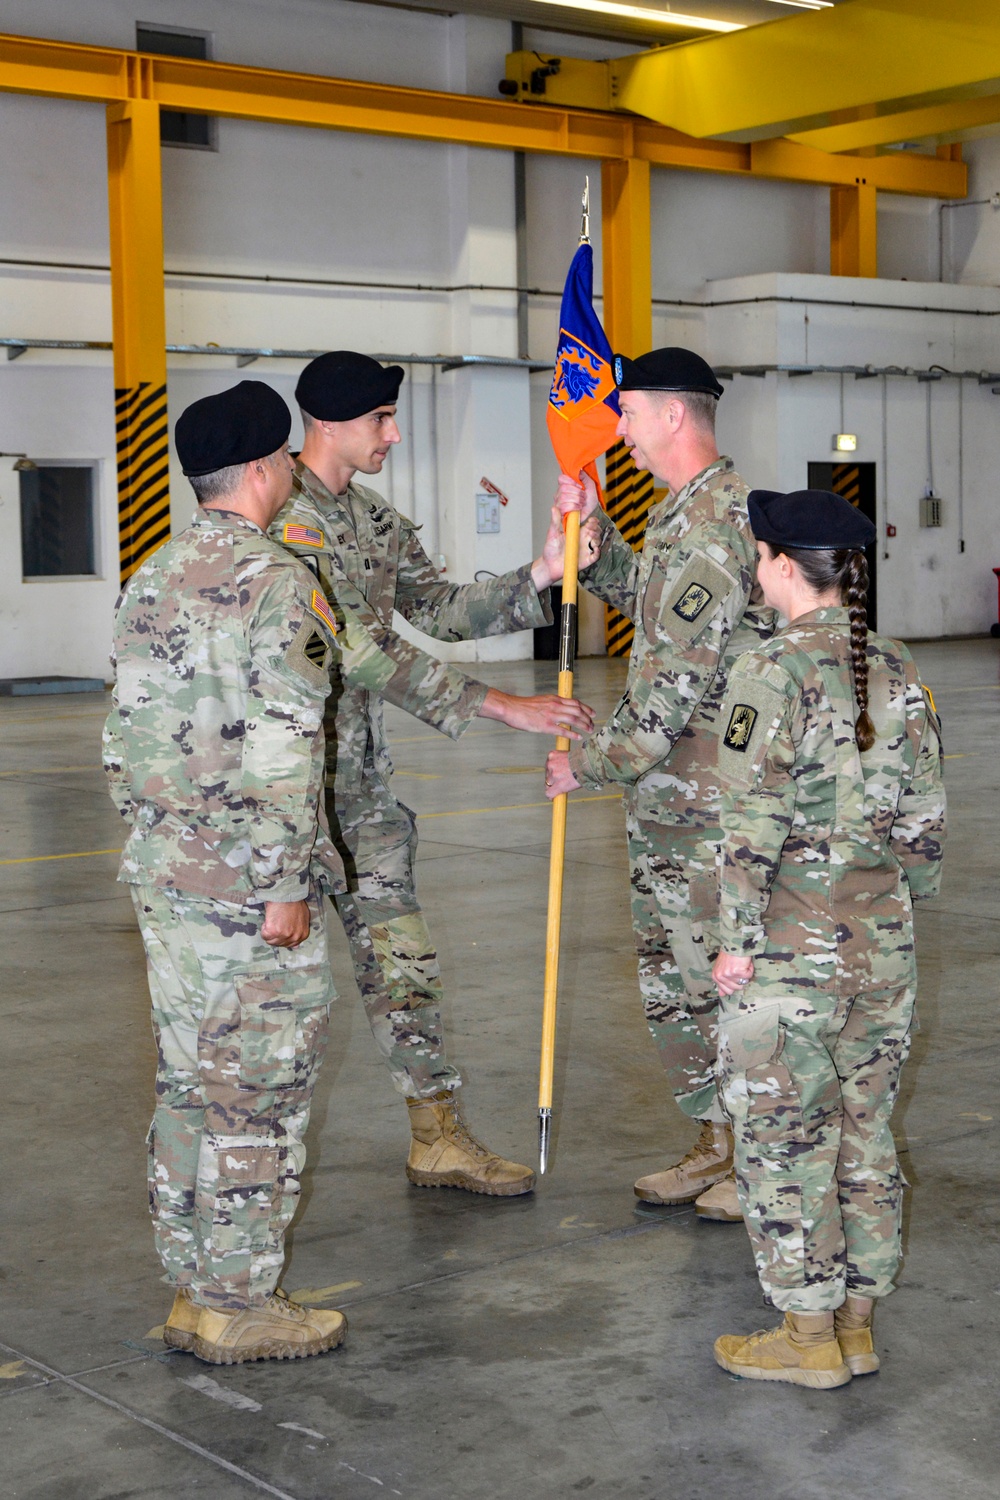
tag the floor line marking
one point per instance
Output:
(95, 765)
(44, 718)
(35, 859)
(458, 812)
(621, 1231)
(173, 1437)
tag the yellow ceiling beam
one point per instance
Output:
(900, 172)
(108, 75)
(796, 73)
(938, 122)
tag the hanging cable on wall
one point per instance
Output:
(961, 469)
(930, 446)
(885, 467)
(411, 443)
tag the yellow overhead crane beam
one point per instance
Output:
(109, 75)
(797, 73)
(134, 86)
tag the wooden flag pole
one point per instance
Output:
(557, 856)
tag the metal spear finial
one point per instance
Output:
(585, 215)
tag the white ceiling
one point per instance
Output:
(543, 16)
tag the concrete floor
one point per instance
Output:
(550, 1346)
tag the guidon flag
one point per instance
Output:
(582, 413)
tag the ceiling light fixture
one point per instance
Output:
(641, 13)
(806, 4)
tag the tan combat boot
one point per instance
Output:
(444, 1154)
(182, 1324)
(803, 1350)
(853, 1322)
(281, 1329)
(709, 1160)
(721, 1203)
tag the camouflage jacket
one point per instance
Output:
(368, 558)
(214, 744)
(693, 595)
(824, 846)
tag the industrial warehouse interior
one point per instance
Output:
(805, 193)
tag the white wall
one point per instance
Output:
(277, 201)
(928, 585)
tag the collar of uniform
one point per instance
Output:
(228, 520)
(829, 614)
(721, 465)
(314, 487)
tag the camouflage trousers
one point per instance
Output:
(395, 962)
(674, 906)
(241, 1030)
(809, 1081)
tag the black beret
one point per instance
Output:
(813, 520)
(666, 370)
(248, 421)
(343, 385)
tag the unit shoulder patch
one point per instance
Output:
(751, 716)
(696, 596)
(740, 728)
(309, 655)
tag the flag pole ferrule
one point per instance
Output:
(544, 1133)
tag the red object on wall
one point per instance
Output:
(890, 530)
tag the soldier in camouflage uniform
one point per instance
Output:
(368, 557)
(696, 607)
(214, 753)
(833, 819)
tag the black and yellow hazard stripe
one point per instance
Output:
(629, 496)
(143, 487)
(846, 481)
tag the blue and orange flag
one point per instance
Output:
(583, 410)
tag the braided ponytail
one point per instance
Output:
(855, 595)
(825, 569)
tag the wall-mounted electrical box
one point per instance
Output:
(931, 508)
(487, 514)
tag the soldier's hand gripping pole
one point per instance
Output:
(557, 857)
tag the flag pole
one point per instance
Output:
(557, 852)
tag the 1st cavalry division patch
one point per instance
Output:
(740, 728)
(693, 600)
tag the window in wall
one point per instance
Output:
(178, 127)
(57, 521)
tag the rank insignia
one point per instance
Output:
(693, 600)
(741, 722)
(319, 606)
(305, 536)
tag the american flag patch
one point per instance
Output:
(320, 607)
(305, 535)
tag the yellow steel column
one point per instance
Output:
(139, 326)
(628, 322)
(625, 243)
(853, 230)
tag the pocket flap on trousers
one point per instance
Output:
(751, 1036)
